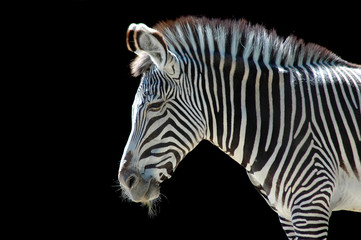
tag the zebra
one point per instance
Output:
(287, 111)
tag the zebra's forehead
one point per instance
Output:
(152, 86)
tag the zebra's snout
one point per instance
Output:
(128, 178)
(136, 188)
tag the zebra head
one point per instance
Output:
(165, 123)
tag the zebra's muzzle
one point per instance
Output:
(136, 188)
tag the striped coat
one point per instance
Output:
(288, 112)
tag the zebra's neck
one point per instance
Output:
(239, 92)
(239, 71)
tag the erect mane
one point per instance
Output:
(256, 39)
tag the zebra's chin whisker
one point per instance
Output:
(147, 193)
(152, 206)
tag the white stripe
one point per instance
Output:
(270, 102)
(303, 105)
(238, 154)
(209, 34)
(258, 110)
(234, 51)
(221, 47)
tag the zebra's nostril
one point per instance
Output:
(131, 181)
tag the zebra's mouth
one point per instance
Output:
(143, 191)
(153, 191)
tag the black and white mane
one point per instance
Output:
(238, 35)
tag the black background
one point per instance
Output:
(88, 97)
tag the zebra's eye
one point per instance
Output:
(156, 106)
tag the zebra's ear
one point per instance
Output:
(141, 38)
